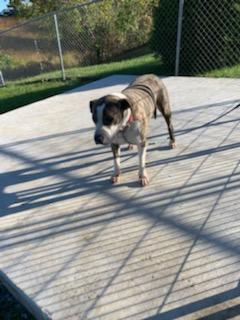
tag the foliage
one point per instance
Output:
(164, 34)
(34, 8)
(220, 41)
(97, 32)
(210, 29)
(109, 27)
(5, 61)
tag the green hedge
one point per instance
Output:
(210, 34)
(164, 34)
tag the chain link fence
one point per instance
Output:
(190, 37)
(210, 35)
(57, 44)
(197, 36)
(29, 49)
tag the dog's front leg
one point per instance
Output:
(116, 154)
(143, 178)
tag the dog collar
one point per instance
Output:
(130, 119)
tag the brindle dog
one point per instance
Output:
(124, 118)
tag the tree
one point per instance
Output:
(34, 8)
(107, 28)
(96, 32)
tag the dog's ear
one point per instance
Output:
(92, 104)
(124, 103)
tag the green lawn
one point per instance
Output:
(17, 94)
(230, 72)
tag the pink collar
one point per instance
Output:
(131, 118)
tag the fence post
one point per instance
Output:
(59, 47)
(38, 55)
(2, 79)
(179, 36)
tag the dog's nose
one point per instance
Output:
(99, 139)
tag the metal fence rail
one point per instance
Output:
(191, 36)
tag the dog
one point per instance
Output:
(123, 118)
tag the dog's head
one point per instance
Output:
(109, 114)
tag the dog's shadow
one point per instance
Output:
(154, 147)
(134, 184)
(69, 185)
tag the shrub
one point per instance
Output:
(5, 61)
(108, 28)
(210, 35)
(164, 34)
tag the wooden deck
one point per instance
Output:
(72, 246)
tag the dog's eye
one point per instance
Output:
(107, 120)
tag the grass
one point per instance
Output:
(228, 72)
(17, 94)
(144, 64)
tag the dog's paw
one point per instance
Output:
(115, 179)
(173, 144)
(143, 180)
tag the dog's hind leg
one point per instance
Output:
(143, 177)
(116, 154)
(163, 105)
